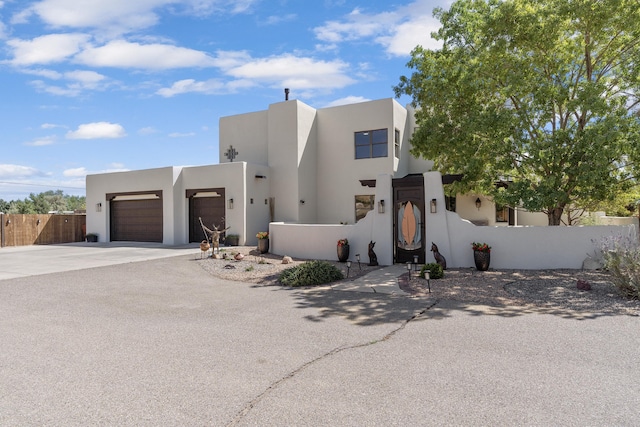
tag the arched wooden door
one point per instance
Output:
(409, 219)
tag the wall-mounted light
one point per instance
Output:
(433, 206)
(381, 206)
(251, 201)
(230, 204)
(38, 221)
(98, 207)
(478, 203)
(8, 221)
(302, 202)
(260, 176)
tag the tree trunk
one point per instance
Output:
(555, 215)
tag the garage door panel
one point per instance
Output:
(136, 220)
(210, 209)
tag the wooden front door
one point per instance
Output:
(409, 219)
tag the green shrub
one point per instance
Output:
(621, 256)
(311, 273)
(435, 271)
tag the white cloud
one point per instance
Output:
(398, 31)
(292, 71)
(45, 140)
(181, 135)
(51, 126)
(125, 15)
(121, 53)
(277, 19)
(209, 87)
(97, 130)
(46, 49)
(76, 172)
(116, 17)
(147, 131)
(347, 100)
(18, 171)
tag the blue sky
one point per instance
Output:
(92, 86)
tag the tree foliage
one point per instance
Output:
(43, 203)
(541, 94)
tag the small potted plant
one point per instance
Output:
(91, 237)
(232, 239)
(481, 255)
(343, 250)
(263, 242)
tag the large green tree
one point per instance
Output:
(539, 94)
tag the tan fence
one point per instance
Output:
(27, 229)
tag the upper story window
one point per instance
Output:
(371, 143)
(396, 143)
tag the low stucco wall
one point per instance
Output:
(529, 247)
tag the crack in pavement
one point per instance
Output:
(249, 406)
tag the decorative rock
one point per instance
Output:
(215, 256)
(239, 257)
(287, 260)
(591, 264)
(583, 285)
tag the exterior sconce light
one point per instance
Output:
(98, 207)
(302, 202)
(8, 221)
(433, 206)
(478, 203)
(230, 204)
(38, 221)
(381, 206)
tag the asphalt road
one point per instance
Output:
(161, 342)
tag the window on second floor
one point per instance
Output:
(396, 143)
(371, 143)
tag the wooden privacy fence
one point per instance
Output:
(35, 229)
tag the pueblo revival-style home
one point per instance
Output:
(294, 164)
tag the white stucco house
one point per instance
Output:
(310, 176)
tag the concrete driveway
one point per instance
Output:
(161, 342)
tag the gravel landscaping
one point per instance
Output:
(544, 289)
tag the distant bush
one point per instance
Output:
(621, 257)
(435, 271)
(310, 273)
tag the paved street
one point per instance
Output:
(161, 342)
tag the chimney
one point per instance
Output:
(286, 93)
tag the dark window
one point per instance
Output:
(364, 204)
(396, 143)
(371, 143)
(450, 203)
(502, 213)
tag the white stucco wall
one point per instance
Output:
(339, 172)
(530, 247)
(231, 177)
(248, 135)
(99, 185)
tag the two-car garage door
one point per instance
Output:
(136, 217)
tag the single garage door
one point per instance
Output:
(207, 204)
(136, 220)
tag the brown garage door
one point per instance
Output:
(136, 220)
(210, 209)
